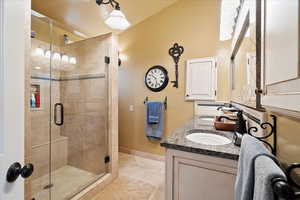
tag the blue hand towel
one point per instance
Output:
(153, 112)
(251, 148)
(154, 120)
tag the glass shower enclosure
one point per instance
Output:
(69, 110)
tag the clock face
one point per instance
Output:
(156, 78)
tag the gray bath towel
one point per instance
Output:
(154, 131)
(265, 170)
(251, 148)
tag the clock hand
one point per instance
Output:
(153, 76)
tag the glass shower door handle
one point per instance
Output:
(59, 107)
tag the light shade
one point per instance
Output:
(48, 54)
(117, 20)
(39, 51)
(56, 56)
(73, 60)
(65, 58)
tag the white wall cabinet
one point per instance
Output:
(280, 56)
(201, 79)
(193, 176)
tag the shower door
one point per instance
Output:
(40, 107)
(79, 131)
(69, 110)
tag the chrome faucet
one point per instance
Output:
(230, 110)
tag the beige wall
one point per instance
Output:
(193, 24)
(288, 139)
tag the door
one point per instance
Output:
(12, 79)
(200, 79)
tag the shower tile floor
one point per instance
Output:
(139, 179)
(66, 180)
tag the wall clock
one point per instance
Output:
(156, 78)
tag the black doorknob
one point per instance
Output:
(27, 170)
(16, 169)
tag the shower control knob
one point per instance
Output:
(16, 169)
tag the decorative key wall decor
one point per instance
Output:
(176, 51)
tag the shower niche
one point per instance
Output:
(35, 96)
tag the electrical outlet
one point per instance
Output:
(131, 108)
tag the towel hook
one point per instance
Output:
(146, 100)
(166, 102)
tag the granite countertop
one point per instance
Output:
(177, 140)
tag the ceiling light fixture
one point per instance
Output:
(65, 58)
(56, 56)
(48, 54)
(116, 19)
(39, 51)
(73, 60)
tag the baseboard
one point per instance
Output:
(141, 154)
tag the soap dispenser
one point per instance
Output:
(32, 101)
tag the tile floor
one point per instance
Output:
(66, 181)
(139, 179)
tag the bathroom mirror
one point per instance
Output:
(243, 59)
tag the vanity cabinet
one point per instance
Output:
(280, 56)
(192, 176)
(201, 79)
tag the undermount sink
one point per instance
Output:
(208, 139)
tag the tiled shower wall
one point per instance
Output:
(85, 123)
(84, 95)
